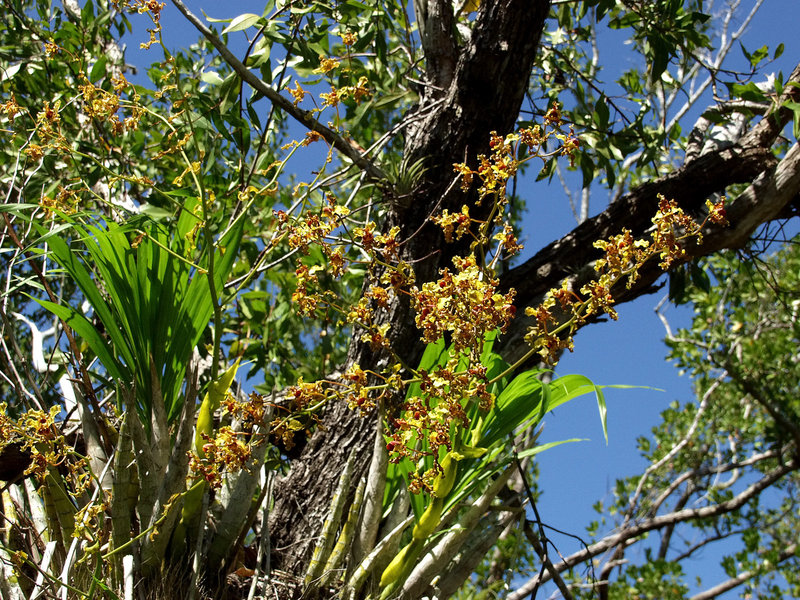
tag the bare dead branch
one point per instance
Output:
(741, 578)
(548, 564)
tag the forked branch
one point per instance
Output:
(637, 529)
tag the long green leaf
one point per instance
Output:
(518, 404)
(541, 448)
(569, 387)
(84, 328)
(70, 263)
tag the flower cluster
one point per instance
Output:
(672, 226)
(227, 451)
(326, 65)
(439, 410)
(48, 125)
(349, 38)
(51, 49)
(152, 8)
(303, 395)
(103, 105)
(377, 337)
(315, 228)
(510, 152)
(373, 242)
(454, 223)
(89, 519)
(562, 311)
(98, 103)
(358, 393)
(305, 296)
(38, 435)
(357, 92)
(66, 202)
(465, 303)
(251, 413)
(500, 166)
(51, 124)
(10, 107)
(301, 399)
(298, 93)
(508, 240)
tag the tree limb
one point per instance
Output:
(637, 529)
(693, 473)
(435, 21)
(742, 577)
(548, 564)
(774, 184)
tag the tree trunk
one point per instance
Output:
(455, 117)
(471, 89)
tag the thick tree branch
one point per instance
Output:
(436, 24)
(774, 184)
(637, 529)
(573, 255)
(305, 117)
(761, 202)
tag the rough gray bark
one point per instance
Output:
(775, 187)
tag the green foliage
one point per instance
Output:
(741, 353)
(159, 301)
(655, 579)
(629, 129)
(185, 211)
(753, 338)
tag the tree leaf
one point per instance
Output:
(241, 22)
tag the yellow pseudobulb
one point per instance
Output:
(213, 398)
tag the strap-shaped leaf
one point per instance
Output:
(569, 387)
(72, 265)
(84, 328)
(519, 403)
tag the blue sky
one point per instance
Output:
(630, 351)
